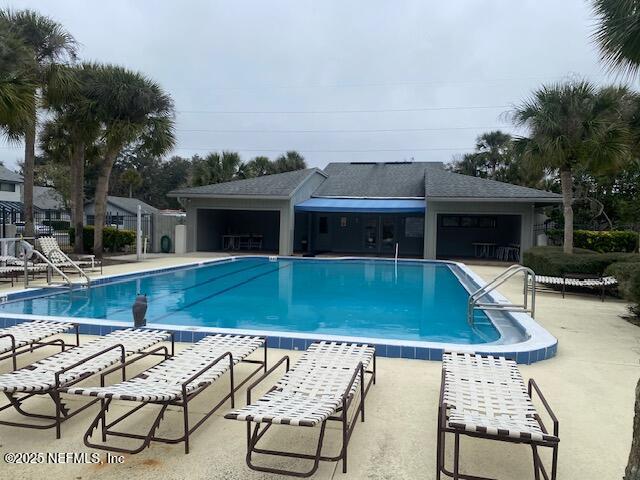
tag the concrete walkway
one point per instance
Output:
(590, 385)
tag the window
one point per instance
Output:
(343, 222)
(468, 221)
(323, 225)
(414, 227)
(7, 187)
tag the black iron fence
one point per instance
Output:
(57, 223)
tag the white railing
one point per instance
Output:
(525, 307)
(19, 251)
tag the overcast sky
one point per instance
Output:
(336, 80)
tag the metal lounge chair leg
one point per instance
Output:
(345, 440)
(185, 412)
(536, 463)
(456, 457)
(439, 448)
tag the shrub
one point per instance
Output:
(599, 241)
(552, 261)
(113, 240)
(606, 241)
(624, 273)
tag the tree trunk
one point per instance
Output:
(566, 180)
(102, 188)
(633, 467)
(77, 194)
(29, 160)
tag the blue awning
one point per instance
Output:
(369, 205)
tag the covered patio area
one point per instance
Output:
(360, 226)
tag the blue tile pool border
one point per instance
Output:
(540, 345)
(301, 344)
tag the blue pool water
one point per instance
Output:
(363, 298)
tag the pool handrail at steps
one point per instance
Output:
(28, 250)
(525, 307)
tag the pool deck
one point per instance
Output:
(590, 385)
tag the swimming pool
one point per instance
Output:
(410, 303)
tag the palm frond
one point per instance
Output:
(617, 34)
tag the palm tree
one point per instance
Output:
(618, 36)
(49, 45)
(133, 110)
(289, 162)
(573, 125)
(16, 86)
(132, 179)
(618, 33)
(76, 124)
(470, 164)
(260, 166)
(494, 150)
(216, 168)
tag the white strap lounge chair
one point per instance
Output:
(174, 382)
(48, 376)
(50, 249)
(26, 337)
(486, 397)
(578, 280)
(320, 387)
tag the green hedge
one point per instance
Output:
(625, 273)
(634, 292)
(600, 241)
(552, 261)
(628, 276)
(113, 240)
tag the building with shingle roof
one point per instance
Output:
(365, 208)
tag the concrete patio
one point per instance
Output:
(590, 384)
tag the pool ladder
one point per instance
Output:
(28, 251)
(475, 299)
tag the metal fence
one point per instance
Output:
(57, 223)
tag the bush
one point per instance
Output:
(553, 262)
(113, 240)
(607, 241)
(625, 273)
(634, 291)
(599, 241)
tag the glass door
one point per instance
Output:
(388, 235)
(371, 234)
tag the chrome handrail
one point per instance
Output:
(75, 266)
(474, 299)
(29, 250)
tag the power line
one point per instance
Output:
(393, 83)
(306, 150)
(383, 110)
(373, 130)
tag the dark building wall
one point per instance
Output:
(457, 240)
(213, 224)
(360, 233)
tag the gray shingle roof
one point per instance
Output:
(441, 183)
(393, 179)
(7, 175)
(129, 204)
(47, 198)
(277, 185)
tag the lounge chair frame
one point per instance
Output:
(106, 428)
(538, 466)
(62, 412)
(255, 433)
(31, 347)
